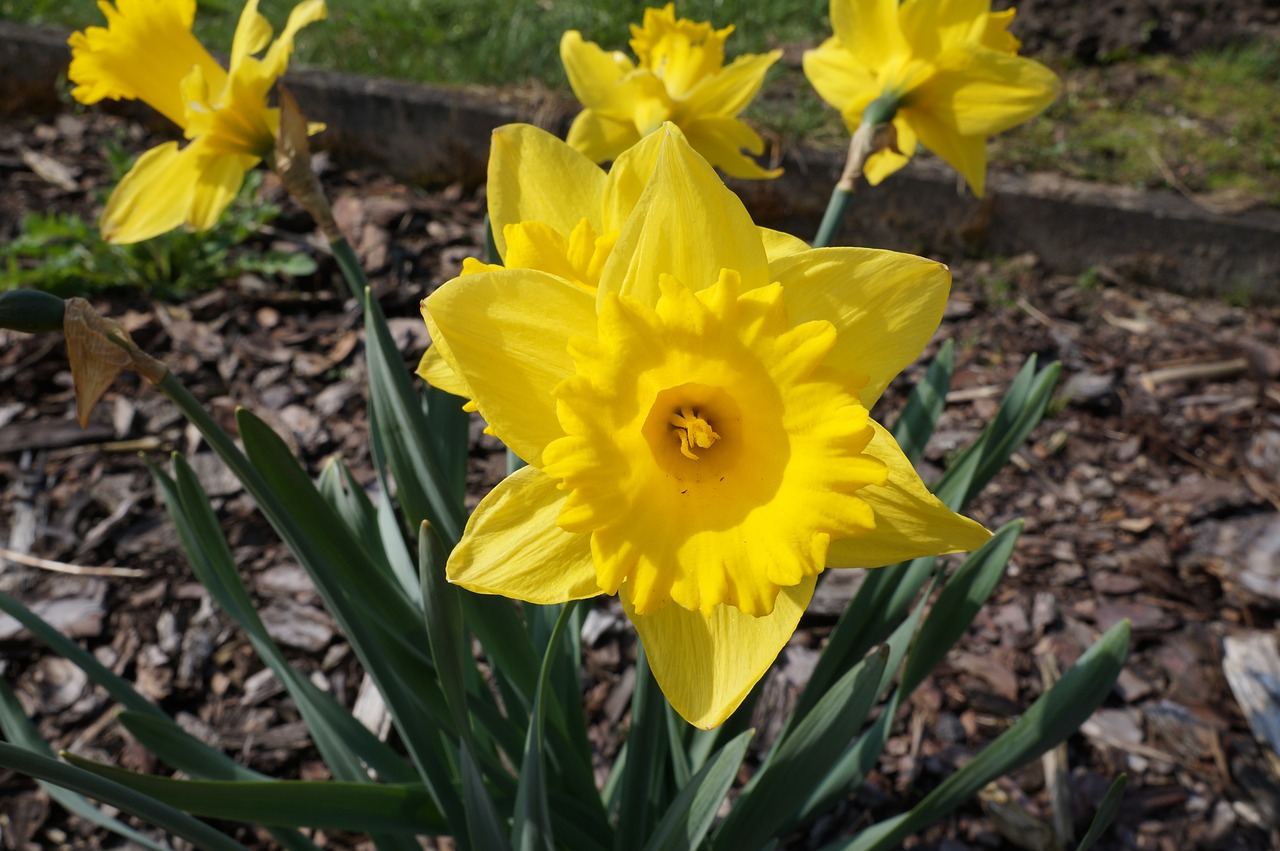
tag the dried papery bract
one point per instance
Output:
(293, 164)
(99, 349)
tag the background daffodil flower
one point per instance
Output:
(147, 52)
(680, 77)
(951, 66)
(697, 428)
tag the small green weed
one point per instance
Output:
(65, 255)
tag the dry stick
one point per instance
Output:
(1192, 371)
(73, 569)
(1057, 777)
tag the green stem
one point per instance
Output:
(352, 273)
(832, 218)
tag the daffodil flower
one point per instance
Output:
(680, 77)
(696, 428)
(950, 67)
(147, 52)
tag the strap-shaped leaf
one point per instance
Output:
(646, 759)
(328, 805)
(1107, 812)
(531, 825)
(18, 729)
(383, 628)
(487, 829)
(121, 796)
(690, 815)
(919, 416)
(812, 747)
(422, 487)
(1055, 715)
(346, 745)
(962, 596)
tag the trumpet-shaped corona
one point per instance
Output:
(696, 422)
(147, 52)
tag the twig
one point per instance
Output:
(1192, 371)
(73, 569)
(1056, 764)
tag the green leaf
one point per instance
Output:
(1057, 714)
(341, 490)
(1107, 812)
(423, 488)
(690, 815)
(386, 632)
(327, 805)
(646, 759)
(1020, 411)
(531, 826)
(19, 730)
(919, 416)
(120, 796)
(346, 745)
(958, 603)
(487, 829)
(443, 619)
(811, 748)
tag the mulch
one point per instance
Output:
(1149, 493)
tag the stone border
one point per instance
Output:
(434, 135)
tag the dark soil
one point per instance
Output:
(1150, 493)
(1115, 30)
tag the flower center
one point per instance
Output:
(693, 431)
(696, 435)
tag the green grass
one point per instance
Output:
(1210, 123)
(487, 42)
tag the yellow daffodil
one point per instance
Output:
(147, 52)
(697, 427)
(949, 67)
(680, 77)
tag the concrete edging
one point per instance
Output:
(435, 135)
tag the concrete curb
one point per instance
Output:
(433, 135)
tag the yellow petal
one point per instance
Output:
(153, 197)
(535, 177)
(434, 370)
(841, 80)
(885, 306)
(592, 71)
(277, 57)
(869, 30)
(219, 180)
(938, 25)
(627, 179)
(599, 137)
(966, 154)
(253, 33)
(143, 53)
(910, 521)
(720, 140)
(779, 244)
(706, 666)
(513, 547)
(729, 91)
(684, 189)
(506, 334)
(997, 35)
(982, 92)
